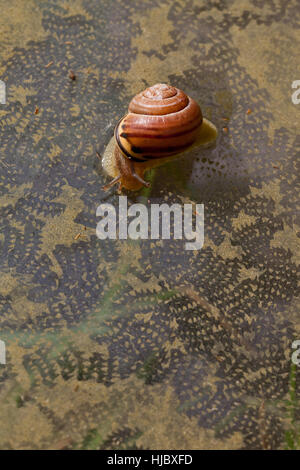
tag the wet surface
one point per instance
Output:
(142, 344)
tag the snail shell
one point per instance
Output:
(162, 121)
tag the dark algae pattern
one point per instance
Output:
(142, 344)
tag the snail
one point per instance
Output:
(162, 122)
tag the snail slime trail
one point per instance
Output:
(162, 123)
(135, 222)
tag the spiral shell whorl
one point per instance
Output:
(160, 99)
(162, 121)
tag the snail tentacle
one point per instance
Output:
(111, 183)
(138, 177)
(126, 171)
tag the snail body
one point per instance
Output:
(162, 122)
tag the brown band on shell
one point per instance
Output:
(125, 151)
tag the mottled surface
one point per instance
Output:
(143, 344)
